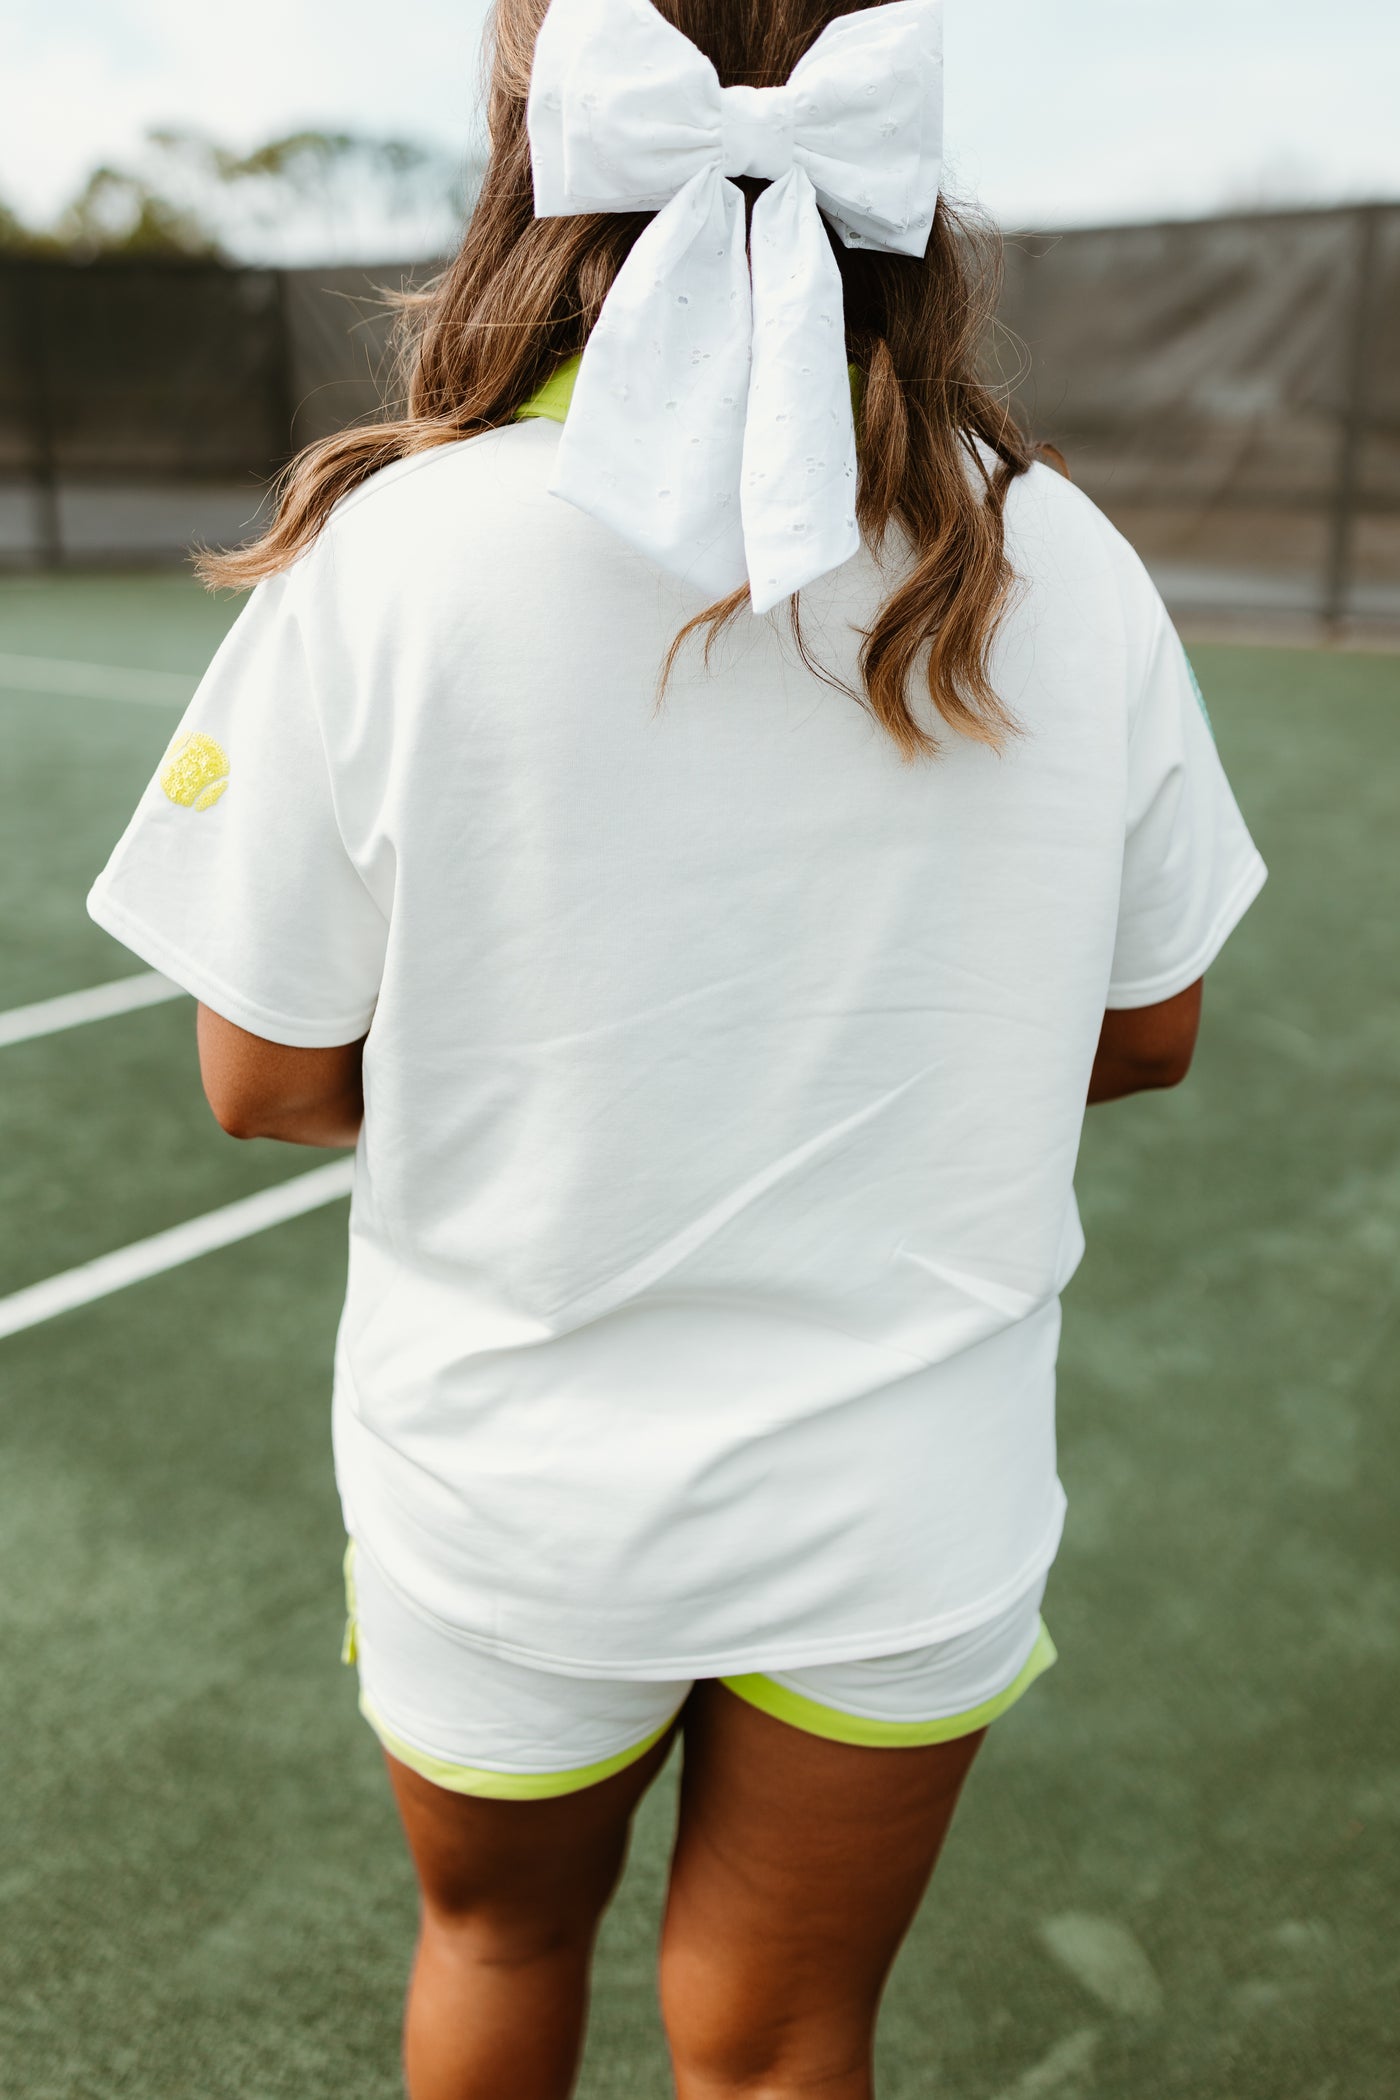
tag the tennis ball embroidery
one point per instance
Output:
(195, 772)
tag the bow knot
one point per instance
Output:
(756, 129)
(710, 425)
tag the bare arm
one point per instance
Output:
(262, 1089)
(1143, 1047)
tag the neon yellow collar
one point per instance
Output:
(550, 402)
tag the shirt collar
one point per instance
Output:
(550, 402)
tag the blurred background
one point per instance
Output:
(1202, 300)
(1177, 1870)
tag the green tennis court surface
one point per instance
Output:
(1177, 1871)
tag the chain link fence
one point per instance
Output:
(1228, 390)
(144, 406)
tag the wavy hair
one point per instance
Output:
(521, 295)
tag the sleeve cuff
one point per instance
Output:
(1165, 984)
(295, 1031)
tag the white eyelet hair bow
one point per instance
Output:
(710, 425)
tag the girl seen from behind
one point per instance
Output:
(704, 812)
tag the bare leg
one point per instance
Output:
(798, 1869)
(512, 1893)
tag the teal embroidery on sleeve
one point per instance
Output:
(1200, 696)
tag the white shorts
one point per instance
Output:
(478, 1723)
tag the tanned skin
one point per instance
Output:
(798, 1865)
(262, 1089)
(1142, 1048)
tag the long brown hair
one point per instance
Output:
(522, 294)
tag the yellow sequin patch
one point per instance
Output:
(195, 772)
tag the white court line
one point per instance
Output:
(84, 681)
(122, 996)
(181, 1243)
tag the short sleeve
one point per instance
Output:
(232, 877)
(1190, 867)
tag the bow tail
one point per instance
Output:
(798, 492)
(653, 441)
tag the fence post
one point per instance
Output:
(1354, 417)
(34, 335)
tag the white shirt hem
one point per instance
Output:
(152, 947)
(760, 1659)
(1150, 991)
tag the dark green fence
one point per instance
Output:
(1227, 389)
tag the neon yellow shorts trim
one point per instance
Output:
(855, 1729)
(506, 1786)
(758, 1691)
(469, 1779)
(763, 1692)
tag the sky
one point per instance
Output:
(1059, 112)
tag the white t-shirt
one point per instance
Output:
(725, 1074)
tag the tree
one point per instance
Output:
(120, 213)
(18, 238)
(327, 195)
